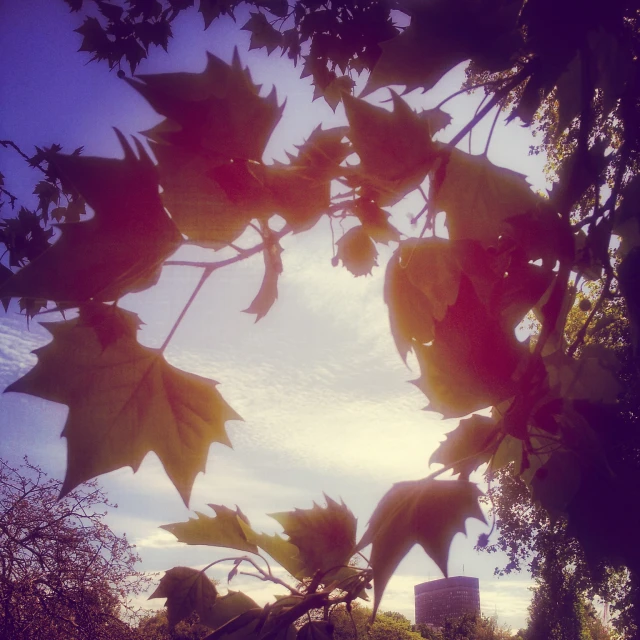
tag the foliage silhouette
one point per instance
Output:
(571, 69)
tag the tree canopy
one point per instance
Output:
(64, 574)
(557, 406)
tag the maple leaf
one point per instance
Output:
(426, 512)
(334, 90)
(219, 110)
(268, 293)
(119, 250)
(186, 590)
(325, 537)
(316, 630)
(262, 32)
(442, 34)
(468, 446)
(473, 361)
(301, 191)
(228, 608)
(478, 197)
(375, 221)
(357, 252)
(94, 38)
(222, 531)
(286, 554)
(591, 377)
(198, 204)
(110, 323)
(213, 9)
(124, 401)
(421, 282)
(391, 145)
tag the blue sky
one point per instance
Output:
(323, 392)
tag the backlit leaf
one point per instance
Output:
(227, 608)
(119, 250)
(124, 401)
(286, 554)
(473, 361)
(316, 630)
(391, 145)
(222, 531)
(357, 252)
(468, 446)
(198, 204)
(219, 110)
(186, 590)
(325, 536)
(479, 196)
(426, 512)
(262, 33)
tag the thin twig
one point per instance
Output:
(13, 145)
(12, 199)
(484, 98)
(465, 90)
(493, 126)
(203, 278)
(497, 96)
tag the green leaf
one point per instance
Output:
(392, 145)
(198, 204)
(262, 33)
(426, 512)
(110, 323)
(375, 221)
(222, 531)
(473, 362)
(124, 401)
(325, 537)
(228, 607)
(316, 630)
(442, 34)
(213, 9)
(286, 554)
(556, 482)
(591, 377)
(301, 190)
(186, 590)
(357, 252)
(219, 110)
(478, 197)
(120, 250)
(469, 445)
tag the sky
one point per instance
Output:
(324, 395)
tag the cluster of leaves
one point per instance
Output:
(63, 572)
(453, 302)
(29, 233)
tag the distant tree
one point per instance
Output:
(156, 626)
(474, 627)
(64, 574)
(387, 626)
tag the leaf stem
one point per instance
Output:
(203, 278)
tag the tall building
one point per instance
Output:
(439, 600)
